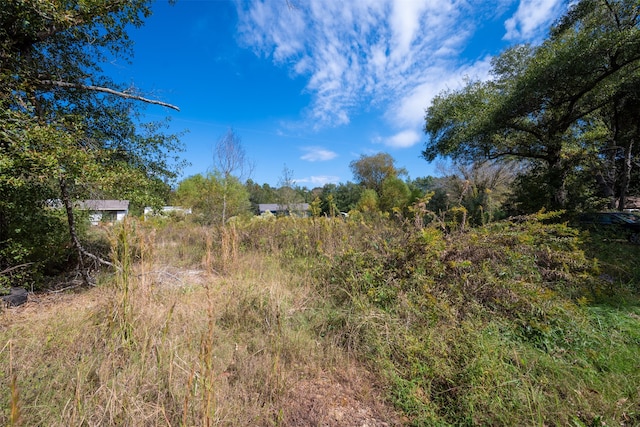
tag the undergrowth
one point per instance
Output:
(493, 326)
(523, 322)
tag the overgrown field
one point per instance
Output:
(332, 322)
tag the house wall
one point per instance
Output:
(97, 217)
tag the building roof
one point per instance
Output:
(275, 207)
(104, 205)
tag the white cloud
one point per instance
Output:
(531, 17)
(318, 154)
(403, 139)
(394, 55)
(410, 109)
(319, 181)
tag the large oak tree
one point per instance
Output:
(554, 106)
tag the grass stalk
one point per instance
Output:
(15, 415)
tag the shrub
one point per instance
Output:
(476, 327)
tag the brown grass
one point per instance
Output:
(200, 335)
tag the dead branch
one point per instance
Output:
(109, 91)
(75, 241)
(15, 267)
(77, 284)
(96, 258)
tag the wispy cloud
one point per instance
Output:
(531, 17)
(318, 154)
(403, 139)
(395, 55)
(319, 181)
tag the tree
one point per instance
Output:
(67, 131)
(371, 171)
(618, 126)
(213, 197)
(259, 194)
(394, 194)
(347, 196)
(481, 188)
(540, 106)
(338, 198)
(287, 194)
(229, 158)
(368, 203)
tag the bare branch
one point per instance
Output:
(15, 267)
(109, 91)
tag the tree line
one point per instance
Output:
(379, 187)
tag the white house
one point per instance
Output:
(105, 210)
(300, 209)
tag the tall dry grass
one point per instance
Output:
(190, 330)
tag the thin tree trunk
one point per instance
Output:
(75, 241)
(606, 175)
(224, 199)
(626, 175)
(557, 180)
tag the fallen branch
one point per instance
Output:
(66, 201)
(57, 291)
(96, 258)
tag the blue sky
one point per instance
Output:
(314, 84)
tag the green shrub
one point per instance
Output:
(477, 327)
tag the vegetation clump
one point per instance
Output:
(484, 327)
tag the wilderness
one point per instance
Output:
(477, 297)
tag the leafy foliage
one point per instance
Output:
(371, 171)
(459, 323)
(68, 132)
(213, 197)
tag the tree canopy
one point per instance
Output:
(557, 106)
(214, 198)
(371, 171)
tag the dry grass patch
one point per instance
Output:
(348, 397)
(177, 345)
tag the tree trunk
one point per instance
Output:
(557, 182)
(75, 241)
(606, 189)
(606, 176)
(626, 175)
(224, 199)
(68, 206)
